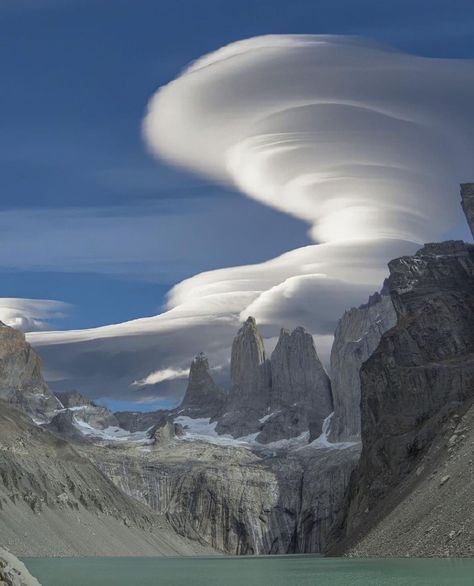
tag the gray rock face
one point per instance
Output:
(428, 514)
(357, 335)
(139, 421)
(297, 373)
(235, 500)
(62, 425)
(54, 500)
(97, 416)
(87, 411)
(203, 397)
(467, 200)
(21, 381)
(421, 372)
(250, 373)
(300, 397)
(73, 399)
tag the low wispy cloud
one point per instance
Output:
(159, 376)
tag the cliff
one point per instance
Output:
(300, 395)
(55, 501)
(234, 499)
(357, 335)
(250, 373)
(21, 381)
(420, 375)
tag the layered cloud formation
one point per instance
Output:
(30, 315)
(365, 144)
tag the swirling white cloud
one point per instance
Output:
(365, 144)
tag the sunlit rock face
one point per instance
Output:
(21, 380)
(357, 335)
(203, 397)
(249, 396)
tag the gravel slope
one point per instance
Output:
(53, 501)
(431, 514)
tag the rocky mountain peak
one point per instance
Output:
(297, 373)
(203, 398)
(249, 396)
(300, 396)
(249, 369)
(21, 381)
(73, 399)
(421, 372)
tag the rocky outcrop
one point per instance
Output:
(165, 430)
(249, 396)
(13, 572)
(234, 499)
(357, 335)
(300, 397)
(71, 399)
(21, 381)
(467, 201)
(85, 410)
(63, 425)
(139, 421)
(203, 398)
(421, 373)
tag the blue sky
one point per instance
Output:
(87, 216)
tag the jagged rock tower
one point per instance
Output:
(250, 373)
(203, 397)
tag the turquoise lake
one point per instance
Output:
(251, 571)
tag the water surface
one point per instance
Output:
(251, 571)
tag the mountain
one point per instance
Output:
(55, 501)
(267, 467)
(300, 393)
(280, 398)
(203, 398)
(249, 396)
(21, 381)
(416, 388)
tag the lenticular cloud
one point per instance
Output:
(359, 141)
(365, 144)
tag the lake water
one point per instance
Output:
(251, 571)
